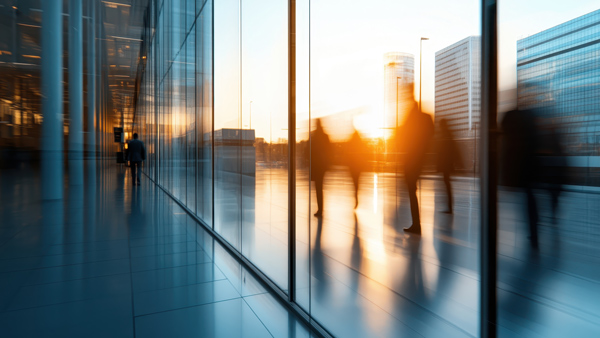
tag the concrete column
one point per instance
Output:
(75, 94)
(52, 101)
(91, 131)
(91, 97)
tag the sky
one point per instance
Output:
(340, 47)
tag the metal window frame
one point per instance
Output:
(488, 160)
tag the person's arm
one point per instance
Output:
(143, 152)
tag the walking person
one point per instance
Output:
(319, 161)
(414, 139)
(357, 161)
(135, 155)
(520, 165)
(447, 156)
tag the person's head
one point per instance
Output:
(319, 125)
(444, 129)
(443, 124)
(135, 136)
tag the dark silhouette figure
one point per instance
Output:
(356, 160)
(414, 141)
(320, 158)
(519, 163)
(553, 163)
(447, 156)
(136, 154)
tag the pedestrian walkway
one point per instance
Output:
(117, 260)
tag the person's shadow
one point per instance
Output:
(136, 216)
(413, 284)
(318, 263)
(356, 257)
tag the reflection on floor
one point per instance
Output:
(113, 260)
(369, 278)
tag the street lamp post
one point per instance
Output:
(421, 68)
(397, 89)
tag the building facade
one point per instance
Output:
(458, 85)
(557, 74)
(399, 72)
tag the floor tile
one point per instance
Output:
(275, 317)
(227, 319)
(168, 260)
(62, 292)
(103, 317)
(173, 277)
(183, 296)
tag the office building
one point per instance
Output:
(557, 73)
(458, 85)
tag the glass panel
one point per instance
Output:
(303, 215)
(204, 115)
(548, 99)
(191, 122)
(178, 128)
(264, 137)
(227, 123)
(375, 159)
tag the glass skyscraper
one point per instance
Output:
(558, 71)
(458, 84)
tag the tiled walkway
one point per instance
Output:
(113, 260)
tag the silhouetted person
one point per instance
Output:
(320, 158)
(519, 163)
(447, 156)
(136, 154)
(555, 164)
(414, 140)
(356, 160)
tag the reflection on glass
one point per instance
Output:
(264, 119)
(227, 122)
(385, 168)
(388, 126)
(549, 98)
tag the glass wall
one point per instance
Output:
(549, 99)
(387, 102)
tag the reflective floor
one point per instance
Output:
(113, 260)
(379, 281)
(116, 260)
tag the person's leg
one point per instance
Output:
(319, 188)
(411, 184)
(554, 194)
(414, 203)
(139, 172)
(133, 171)
(355, 178)
(448, 190)
(533, 216)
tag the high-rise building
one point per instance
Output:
(458, 85)
(558, 70)
(399, 73)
